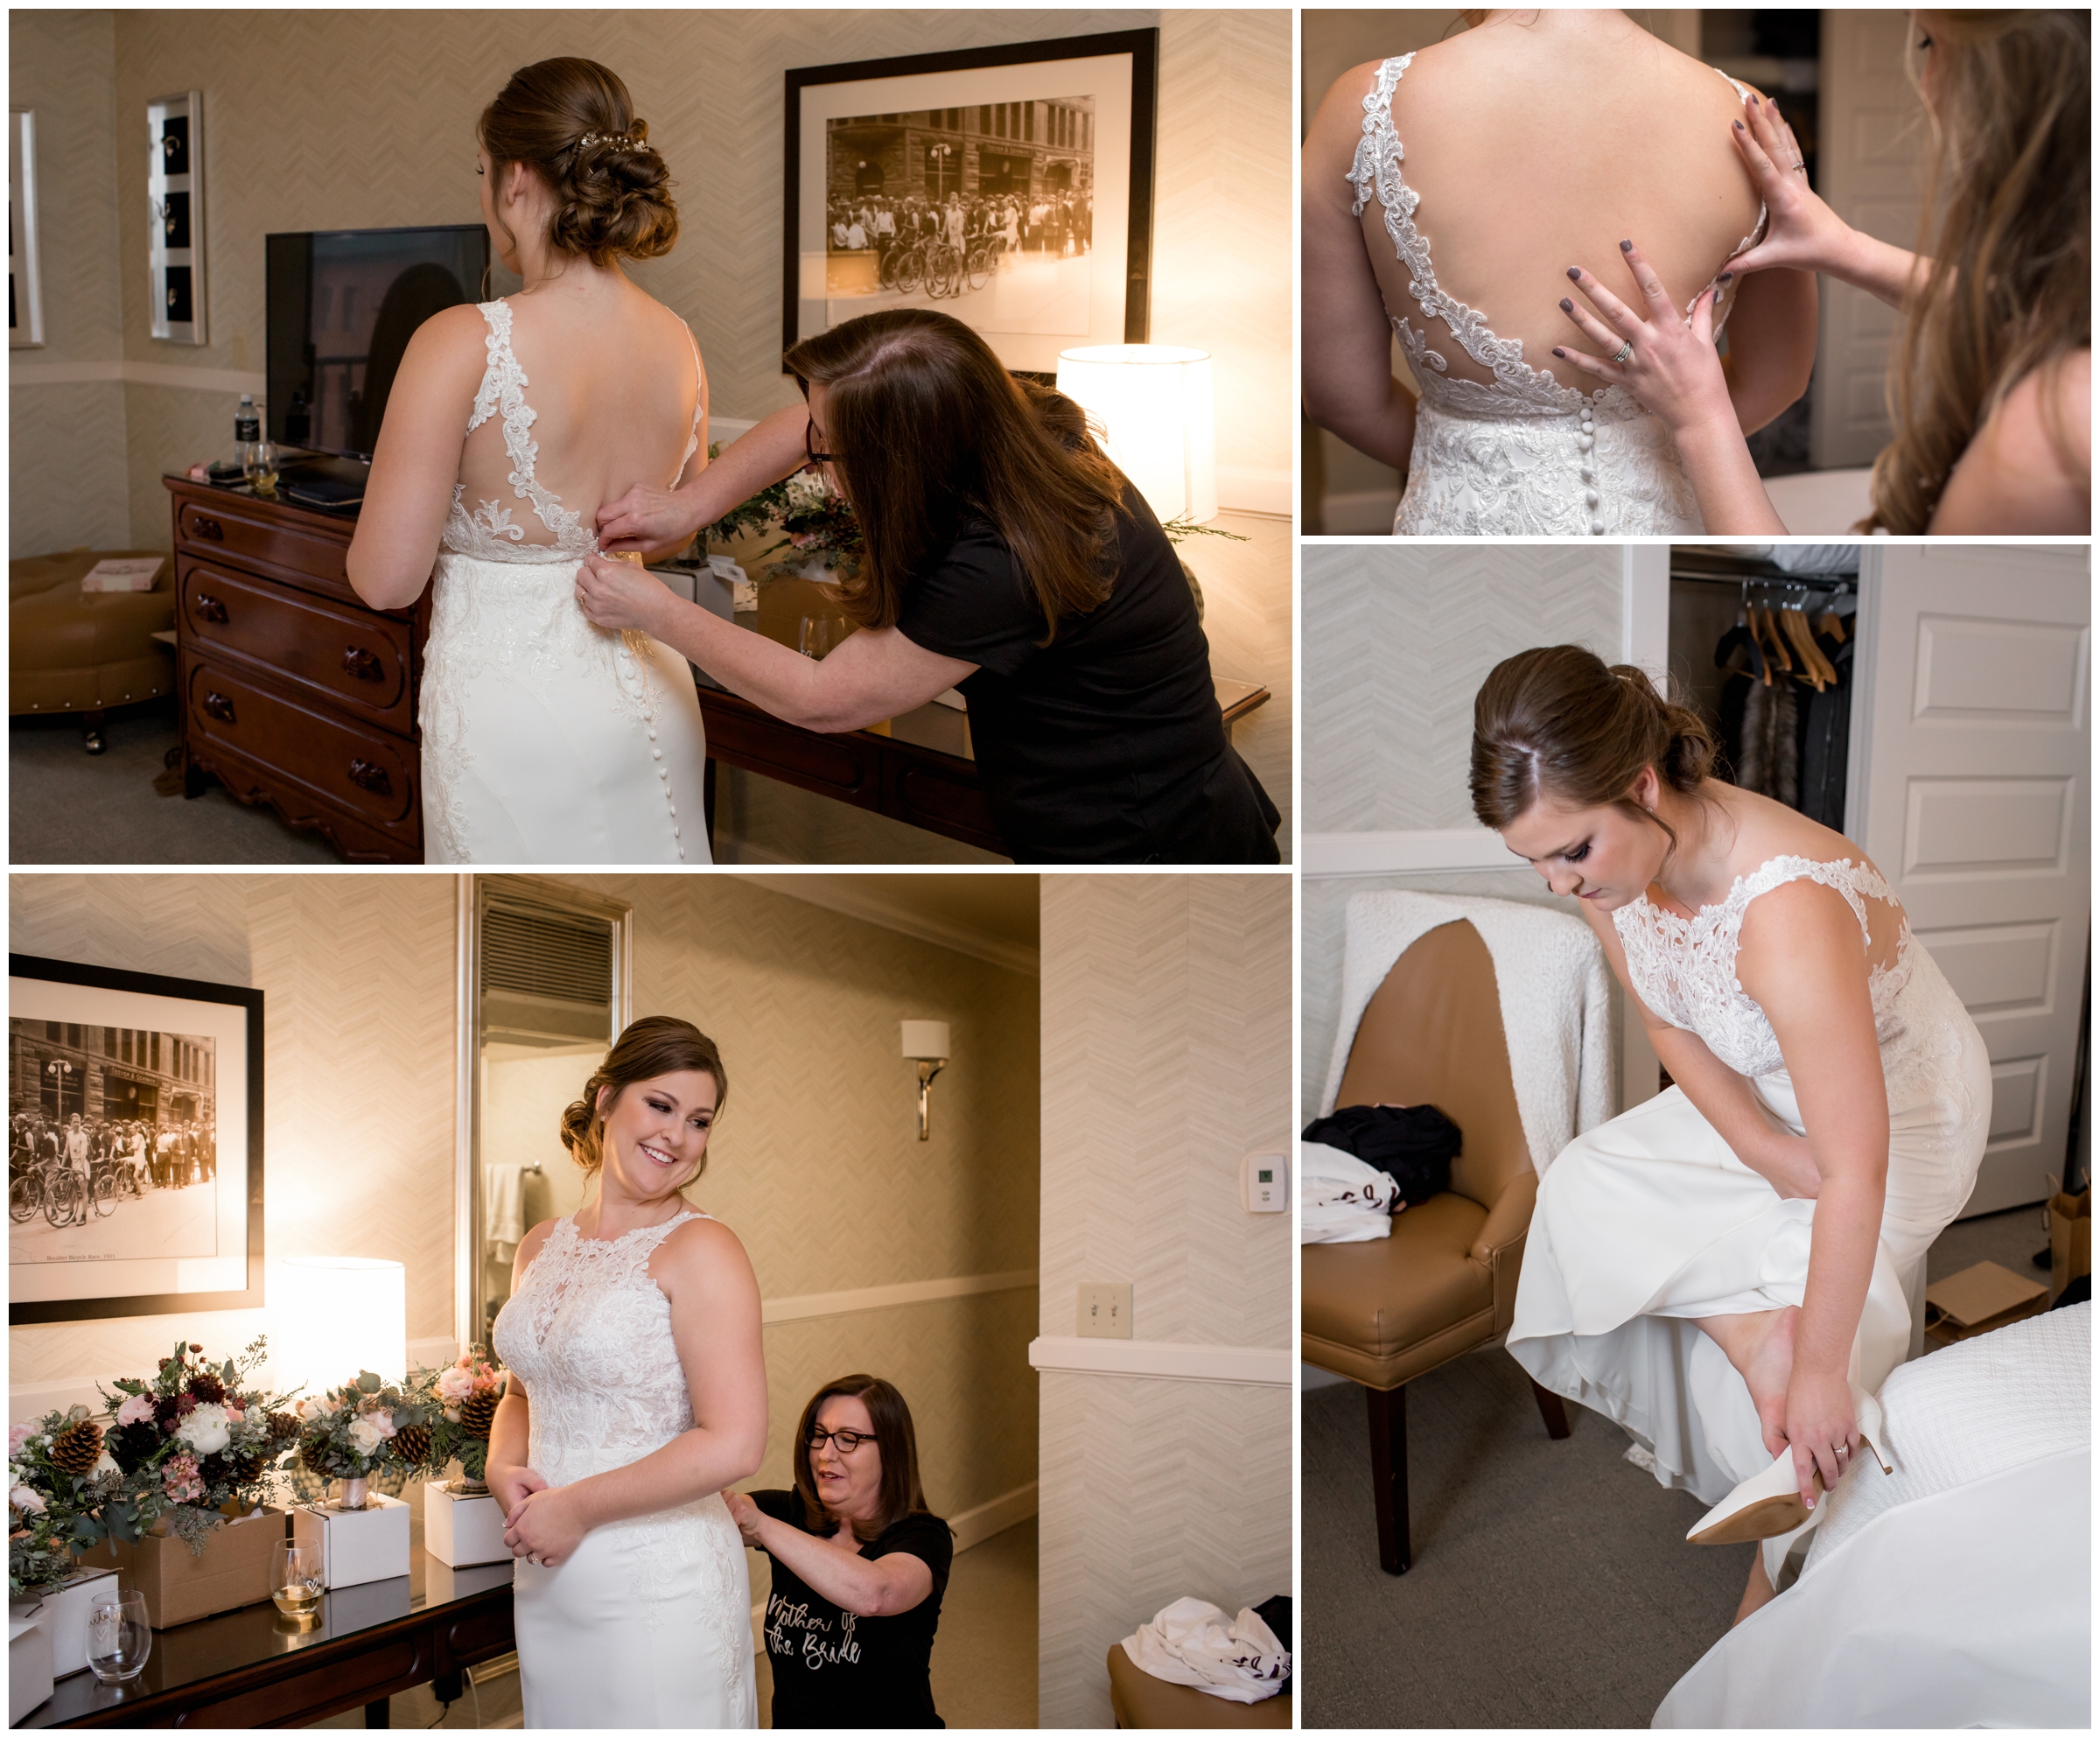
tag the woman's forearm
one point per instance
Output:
(695, 1463)
(791, 687)
(851, 1582)
(1889, 274)
(1378, 424)
(1841, 1262)
(1728, 1103)
(765, 452)
(1732, 496)
(510, 1434)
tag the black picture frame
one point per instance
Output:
(122, 1299)
(1143, 48)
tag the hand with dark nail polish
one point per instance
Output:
(1575, 272)
(1626, 246)
(1566, 306)
(1725, 277)
(1558, 351)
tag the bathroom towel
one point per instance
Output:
(1554, 988)
(503, 1210)
(1341, 1200)
(1191, 1641)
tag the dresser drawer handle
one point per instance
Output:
(210, 608)
(367, 776)
(218, 706)
(365, 666)
(210, 529)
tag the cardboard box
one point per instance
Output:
(357, 1545)
(179, 1589)
(2070, 1240)
(67, 1613)
(29, 1679)
(1978, 1299)
(461, 1531)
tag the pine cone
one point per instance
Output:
(412, 1443)
(283, 1427)
(478, 1414)
(77, 1447)
(207, 1387)
(313, 1454)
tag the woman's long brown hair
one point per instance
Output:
(2010, 288)
(926, 427)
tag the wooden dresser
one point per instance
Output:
(292, 692)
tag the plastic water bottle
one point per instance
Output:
(247, 433)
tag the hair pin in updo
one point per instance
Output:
(617, 141)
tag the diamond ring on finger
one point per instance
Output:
(1625, 350)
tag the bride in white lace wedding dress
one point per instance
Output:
(545, 739)
(1718, 1267)
(1535, 140)
(637, 1395)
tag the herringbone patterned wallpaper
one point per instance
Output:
(348, 119)
(1166, 1045)
(1397, 642)
(816, 1166)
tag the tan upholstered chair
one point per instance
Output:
(70, 651)
(1445, 1282)
(1138, 1700)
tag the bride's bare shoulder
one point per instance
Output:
(1766, 828)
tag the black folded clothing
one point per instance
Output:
(1412, 1144)
(1276, 1613)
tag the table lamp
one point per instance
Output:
(1152, 404)
(332, 1315)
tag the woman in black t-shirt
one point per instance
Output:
(1005, 557)
(858, 1566)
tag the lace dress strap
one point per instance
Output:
(1855, 882)
(503, 385)
(567, 1258)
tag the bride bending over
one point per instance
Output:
(1722, 1269)
(637, 1395)
(544, 739)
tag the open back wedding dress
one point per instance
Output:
(1518, 455)
(546, 740)
(1650, 1221)
(648, 1622)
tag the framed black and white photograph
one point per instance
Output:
(1010, 187)
(134, 1143)
(24, 285)
(175, 197)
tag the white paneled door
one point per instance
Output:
(1970, 751)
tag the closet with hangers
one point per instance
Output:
(1765, 655)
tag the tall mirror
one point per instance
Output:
(544, 979)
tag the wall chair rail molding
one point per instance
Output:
(1460, 850)
(813, 1304)
(1175, 1360)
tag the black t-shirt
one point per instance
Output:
(831, 1668)
(1105, 746)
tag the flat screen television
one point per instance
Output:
(342, 306)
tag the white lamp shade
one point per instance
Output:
(1153, 403)
(926, 1041)
(331, 1316)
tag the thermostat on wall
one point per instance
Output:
(1266, 1183)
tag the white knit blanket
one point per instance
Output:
(1555, 990)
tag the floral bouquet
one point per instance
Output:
(758, 516)
(194, 1447)
(59, 1478)
(361, 1430)
(817, 519)
(465, 1394)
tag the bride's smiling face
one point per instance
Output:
(655, 1133)
(1604, 857)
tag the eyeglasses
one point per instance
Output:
(845, 1440)
(810, 445)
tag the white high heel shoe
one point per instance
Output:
(1769, 1503)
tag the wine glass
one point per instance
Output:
(297, 1580)
(119, 1637)
(821, 634)
(260, 463)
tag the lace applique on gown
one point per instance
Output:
(546, 740)
(648, 1623)
(1648, 1223)
(1523, 455)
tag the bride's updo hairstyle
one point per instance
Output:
(1558, 721)
(658, 1045)
(572, 123)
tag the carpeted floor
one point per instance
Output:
(1552, 1586)
(64, 805)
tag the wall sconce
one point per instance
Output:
(926, 1043)
(1154, 404)
(331, 1315)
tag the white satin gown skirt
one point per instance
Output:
(647, 1625)
(546, 740)
(1651, 1222)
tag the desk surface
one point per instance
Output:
(237, 1658)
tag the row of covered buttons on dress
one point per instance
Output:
(1586, 442)
(648, 719)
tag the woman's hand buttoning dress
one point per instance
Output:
(637, 1396)
(545, 739)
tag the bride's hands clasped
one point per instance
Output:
(1666, 362)
(544, 1526)
(619, 595)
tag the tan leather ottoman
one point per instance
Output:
(1139, 1699)
(74, 651)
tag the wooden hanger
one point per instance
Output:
(1816, 670)
(1768, 633)
(1832, 623)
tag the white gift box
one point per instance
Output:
(459, 1530)
(357, 1545)
(28, 1663)
(65, 1614)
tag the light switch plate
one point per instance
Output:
(1104, 1312)
(1266, 1183)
